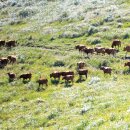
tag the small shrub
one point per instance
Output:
(109, 19)
(81, 17)
(111, 35)
(94, 41)
(82, 125)
(31, 86)
(119, 25)
(92, 30)
(6, 98)
(104, 63)
(15, 22)
(69, 34)
(21, 59)
(112, 117)
(64, 15)
(100, 122)
(126, 36)
(12, 3)
(52, 115)
(59, 63)
(76, 2)
(105, 28)
(24, 99)
(26, 13)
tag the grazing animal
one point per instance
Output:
(88, 50)
(68, 78)
(55, 75)
(10, 44)
(127, 49)
(80, 65)
(67, 73)
(106, 70)
(2, 43)
(3, 62)
(127, 64)
(110, 51)
(12, 59)
(12, 76)
(100, 50)
(83, 72)
(80, 47)
(26, 76)
(116, 43)
(42, 81)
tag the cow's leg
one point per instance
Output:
(86, 76)
(125, 54)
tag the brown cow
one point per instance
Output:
(83, 72)
(26, 76)
(65, 73)
(3, 62)
(42, 81)
(127, 49)
(106, 70)
(116, 43)
(12, 76)
(88, 50)
(99, 50)
(80, 65)
(110, 51)
(2, 43)
(55, 75)
(12, 59)
(68, 78)
(127, 64)
(80, 47)
(10, 44)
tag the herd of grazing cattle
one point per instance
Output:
(102, 50)
(9, 60)
(8, 44)
(68, 76)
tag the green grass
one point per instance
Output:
(59, 106)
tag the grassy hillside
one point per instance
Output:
(99, 103)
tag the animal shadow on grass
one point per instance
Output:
(1, 83)
(80, 80)
(10, 80)
(26, 81)
(126, 72)
(87, 57)
(68, 84)
(127, 57)
(55, 82)
(2, 67)
(40, 88)
(8, 48)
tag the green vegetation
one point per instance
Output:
(46, 44)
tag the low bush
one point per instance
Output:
(59, 63)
